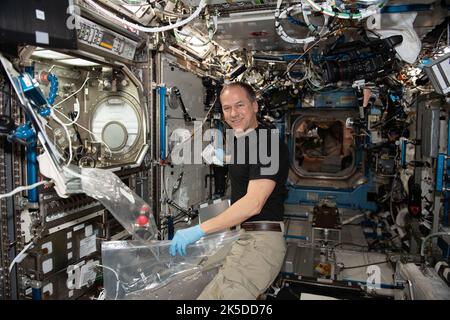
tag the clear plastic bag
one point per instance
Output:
(140, 269)
(129, 209)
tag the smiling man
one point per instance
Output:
(257, 199)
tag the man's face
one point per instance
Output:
(239, 112)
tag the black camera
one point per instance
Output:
(359, 60)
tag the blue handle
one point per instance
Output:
(162, 121)
(36, 293)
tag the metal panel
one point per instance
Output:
(56, 211)
(439, 74)
(256, 31)
(192, 189)
(300, 260)
(55, 252)
(430, 132)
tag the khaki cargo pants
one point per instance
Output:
(250, 268)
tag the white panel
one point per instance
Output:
(88, 231)
(47, 266)
(40, 14)
(87, 246)
(48, 246)
(48, 288)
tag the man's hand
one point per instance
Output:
(183, 238)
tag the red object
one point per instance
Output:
(414, 210)
(259, 33)
(142, 220)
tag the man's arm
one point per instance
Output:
(258, 191)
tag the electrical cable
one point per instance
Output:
(296, 60)
(364, 265)
(371, 10)
(193, 133)
(279, 28)
(306, 51)
(163, 13)
(51, 68)
(23, 188)
(70, 96)
(424, 241)
(117, 277)
(77, 110)
(19, 257)
(87, 130)
(436, 45)
(101, 295)
(69, 140)
(292, 20)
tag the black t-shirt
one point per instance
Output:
(257, 161)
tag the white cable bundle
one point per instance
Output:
(283, 14)
(20, 256)
(22, 188)
(194, 15)
(327, 10)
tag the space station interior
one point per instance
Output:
(97, 95)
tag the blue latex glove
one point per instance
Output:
(184, 237)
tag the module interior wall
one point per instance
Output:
(192, 188)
